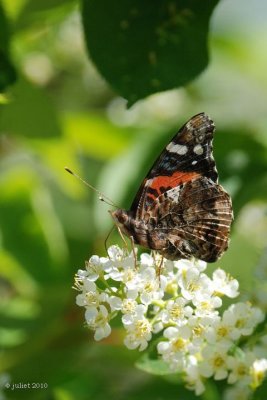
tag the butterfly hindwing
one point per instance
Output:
(195, 218)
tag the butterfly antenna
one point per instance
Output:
(101, 196)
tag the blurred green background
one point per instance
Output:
(61, 112)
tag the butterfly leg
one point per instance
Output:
(106, 240)
(122, 238)
(159, 268)
(134, 253)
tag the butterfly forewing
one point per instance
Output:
(188, 155)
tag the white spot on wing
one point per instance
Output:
(148, 182)
(194, 162)
(198, 149)
(173, 194)
(177, 148)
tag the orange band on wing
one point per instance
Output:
(172, 181)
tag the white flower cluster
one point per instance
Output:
(179, 303)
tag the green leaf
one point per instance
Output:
(143, 47)
(7, 71)
(153, 366)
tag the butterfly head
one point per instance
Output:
(123, 220)
(120, 216)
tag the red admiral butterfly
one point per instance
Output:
(180, 209)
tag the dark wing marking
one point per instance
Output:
(187, 156)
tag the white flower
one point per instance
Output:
(128, 277)
(129, 307)
(185, 265)
(146, 260)
(174, 350)
(168, 267)
(214, 363)
(132, 311)
(97, 266)
(94, 268)
(115, 303)
(258, 372)
(198, 327)
(243, 318)
(117, 264)
(193, 379)
(201, 265)
(150, 286)
(90, 297)
(240, 367)
(206, 305)
(115, 253)
(138, 333)
(193, 283)
(158, 326)
(224, 284)
(176, 311)
(222, 333)
(145, 284)
(98, 320)
(120, 259)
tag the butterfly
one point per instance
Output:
(180, 210)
